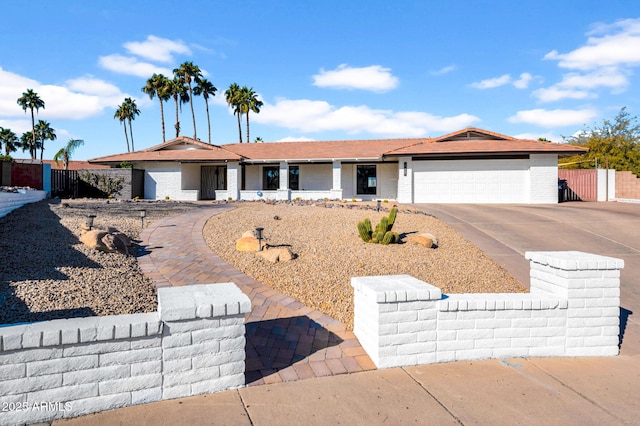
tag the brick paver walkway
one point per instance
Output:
(286, 340)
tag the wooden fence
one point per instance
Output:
(581, 185)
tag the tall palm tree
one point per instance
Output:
(158, 85)
(178, 91)
(31, 100)
(29, 143)
(233, 97)
(121, 115)
(131, 110)
(250, 102)
(190, 73)
(66, 152)
(9, 140)
(205, 88)
(44, 132)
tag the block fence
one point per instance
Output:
(573, 309)
(10, 201)
(194, 344)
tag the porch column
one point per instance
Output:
(234, 180)
(405, 180)
(336, 189)
(284, 193)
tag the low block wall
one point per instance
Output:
(194, 344)
(572, 310)
(10, 201)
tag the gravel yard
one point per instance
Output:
(46, 273)
(330, 252)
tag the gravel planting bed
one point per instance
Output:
(330, 252)
(46, 273)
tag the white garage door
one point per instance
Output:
(471, 181)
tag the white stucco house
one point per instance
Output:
(468, 166)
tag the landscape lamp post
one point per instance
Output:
(143, 214)
(259, 235)
(378, 205)
(89, 221)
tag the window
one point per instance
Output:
(367, 181)
(294, 178)
(270, 178)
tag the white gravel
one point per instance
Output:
(330, 252)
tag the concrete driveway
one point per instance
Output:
(506, 232)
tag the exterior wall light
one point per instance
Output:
(89, 221)
(143, 214)
(405, 168)
(259, 235)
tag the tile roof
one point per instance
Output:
(470, 141)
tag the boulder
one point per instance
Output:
(425, 240)
(247, 244)
(249, 234)
(108, 241)
(276, 254)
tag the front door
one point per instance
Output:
(212, 178)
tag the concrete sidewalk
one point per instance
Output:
(511, 391)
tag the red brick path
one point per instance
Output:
(286, 340)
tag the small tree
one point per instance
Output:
(66, 152)
(615, 144)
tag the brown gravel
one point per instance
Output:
(330, 252)
(46, 273)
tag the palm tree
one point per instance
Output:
(9, 140)
(29, 143)
(66, 152)
(189, 72)
(178, 91)
(250, 102)
(205, 88)
(131, 110)
(233, 98)
(44, 132)
(121, 115)
(31, 100)
(158, 85)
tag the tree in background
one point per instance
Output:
(189, 73)
(614, 144)
(29, 143)
(233, 96)
(9, 140)
(66, 152)
(158, 85)
(205, 88)
(121, 115)
(131, 110)
(179, 92)
(250, 102)
(31, 100)
(44, 132)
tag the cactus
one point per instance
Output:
(382, 233)
(364, 231)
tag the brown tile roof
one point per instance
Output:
(319, 150)
(170, 151)
(472, 140)
(73, 164)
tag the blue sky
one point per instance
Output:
(326, 69)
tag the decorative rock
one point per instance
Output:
(108, 241)
(425, 239)
(247, 244)
(275, 255)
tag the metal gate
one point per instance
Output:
(581, 185)
(64, 183)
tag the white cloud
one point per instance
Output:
(295, 139)
(555, 93)
(317, 116)
(76, 99)
(157, 49)
(131, 66)
(374, 78)
(523, 81)
(444, 70)
(582, 86)
(535, 136)
(554, 118)
(492, 83)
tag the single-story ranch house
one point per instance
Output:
(468, 166)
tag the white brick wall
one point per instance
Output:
(543, 179)
(10, 201)
(70, 367)
(572, 310)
